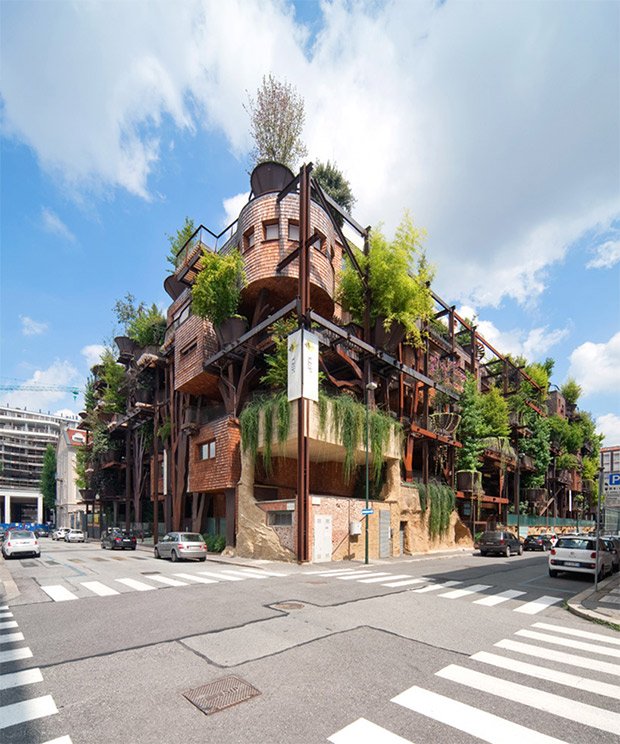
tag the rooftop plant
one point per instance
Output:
(114, 396)
(177, 241)
(143, 324)
(217, 288)
(472, 428)
(571, 392)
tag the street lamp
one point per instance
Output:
(369, 386)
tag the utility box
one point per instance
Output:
(355, 528)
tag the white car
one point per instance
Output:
(578, 554)
(59, 533)
(74, 536)
(20, 542)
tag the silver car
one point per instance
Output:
(74, 536)
(20, 542)
(180, 545)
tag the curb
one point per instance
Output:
(576, 607)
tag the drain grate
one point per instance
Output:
(223, 693)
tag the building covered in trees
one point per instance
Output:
(417, 416)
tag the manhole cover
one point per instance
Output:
(223, 693)
(288, 606)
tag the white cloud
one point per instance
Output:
(606, 255)
(494, 123)
(92, 353)
(53, 224)
(45, 387)
(609, 426)
(233, 206)
(32, 327)
(596, 367)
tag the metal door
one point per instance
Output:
(384, 533)
(322, 538)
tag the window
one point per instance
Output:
(192, 346)
(248, 239)
(280, 518)
(207, 450)
(293, 231)
(272, 230)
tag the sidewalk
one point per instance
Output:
(602, 605)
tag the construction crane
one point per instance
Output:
(34, 387)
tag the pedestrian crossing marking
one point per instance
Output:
(8, 624)
(436, 587)
(408, 582)
(4, 615)
(15, 654)
(570, 642)
(58, 593)
(568, 708)
(199, 579)
(139, 586)
(27, 710)
(381, 579)
(538, 605)
(366, 732)
(495, 599)
(11, 637)
(333, 572)
(486, 726)
(221, 577)
(472, 589)
(358, 575)
(18, 679)
(168, 580)
(99, 589)
(61, 740)
(578, 633)
(551, 654)
(244, 574)
(550, 675)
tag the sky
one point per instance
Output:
(494, 124)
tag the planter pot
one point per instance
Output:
(231, 329)
(87, 494)
(388, 340)
(469, 481)
(444, 423)
(269, 176)
(143, 395)
(126, 347)
(535, 495)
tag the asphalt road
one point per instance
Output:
(404, 650)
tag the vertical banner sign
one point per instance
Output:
(303, 365)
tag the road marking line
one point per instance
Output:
(583, 662)
(579, 633)
(98, 588)
(168, 580)
(3, 607)
(6, 614)
(221, 577)
(376, 580)
(58, 593)
(407, 582)
(365, 732)
(570, 642)
(27, 710)
(15, 654)
(244, 575)
(8, 624)
(569, 708)
(17, 679)
(361, 575)
(486, 726)
(496, 599)
(333, 572)
(550, 675)
(458, 593)
(11, 637)
(139, 586)
(254, 573)
(436, 587)
(61, 740)
(198, 579)
(538, 605)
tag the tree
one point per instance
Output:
(179, 240)
(472, 427)
(276, 123)
(48, 478)
(142, 324)
(333, 183)
(571, 392)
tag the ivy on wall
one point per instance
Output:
(441, 500)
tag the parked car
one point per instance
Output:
(42, 531)
(117, 538)
(74, 536)
(577, 554)
(613, 545)
(501, 542)
(180, 545)
(20, 542)
(59, 534)
(539, 542)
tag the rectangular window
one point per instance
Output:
(248, 239)
(293, 231)
(280, 518)
(272, 231)
(192, 346)
(207, 450)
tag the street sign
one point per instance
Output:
(612, 482)
(368, 511)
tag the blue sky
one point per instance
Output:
(495, 124)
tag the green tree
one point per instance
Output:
(495, 414)
(178, 240)
(276, 123)
(332, 181)
(114, 395)
(472, 427)
(537, 446)
(143, 324)
(48, 478)
(217, 289)
(571, 392)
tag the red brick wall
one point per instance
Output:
(194, 340)
(225, 470)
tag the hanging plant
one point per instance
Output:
(217, 289)
(441, 499)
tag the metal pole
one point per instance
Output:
(598, 514)
(367, 481)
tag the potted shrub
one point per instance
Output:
(471, 433)
(217, 291)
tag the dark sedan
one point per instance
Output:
(539, 542)
(117, 538)
(500, 542)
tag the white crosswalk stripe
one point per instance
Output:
(8, 624)
(18, 679)
(139, 586)
(194, 577)
(436, 587)
(27, 710)
(59, 593)
(221, 577)
(458, 593)
(406, 582)
(381, 579)
(101, 590)
(495, 599)
(538, 605)
(243, 573)
(168, 580)
(15, 654)
(61, 740)
(359, 575)
(599, 712)
(11, 637)
(4, 615)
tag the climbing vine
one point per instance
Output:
(441, 499)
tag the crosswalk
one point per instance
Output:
(15, 683)
(446, 589)
(150, 582)
(587, 699)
